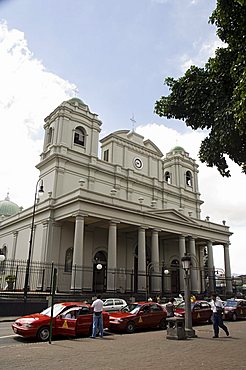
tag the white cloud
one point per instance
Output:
(200, 53)
(224, 198)
(28, 92)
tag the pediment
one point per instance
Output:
(173, 215)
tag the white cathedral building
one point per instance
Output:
(119, 223)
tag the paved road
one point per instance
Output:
(132, 352)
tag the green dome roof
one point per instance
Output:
(8, 208)
(76, 100)
(178, 149)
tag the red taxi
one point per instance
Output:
(200, 310)
(235, 309)
(69, 318)
(139, 315)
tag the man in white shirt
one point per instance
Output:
(97, 317)
(217, 308)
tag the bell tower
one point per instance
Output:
(70, 143)
(181, 172)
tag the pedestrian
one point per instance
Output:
(170, 307)
(192, 298)
(97, 317)
(217, 317)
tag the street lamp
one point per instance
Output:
(37, 191)
(186, 264)
(98, 268)
(2, 257)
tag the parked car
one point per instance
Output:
(235, 309)
(138, 315)
(113, 304)
(69, 318)
(177, 301)
(200, 310)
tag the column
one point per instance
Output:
(141, 260)
(42, 275)
(13, 254)
(182, 252)
(155, 263)
(227, 268)
(201, 269)
(194, 268)
(44, 241)
(15, 235)
(76, 280)
(112, 257)
(210, 267)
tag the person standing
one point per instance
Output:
(170, 307)
(97, 317)
(217, 317)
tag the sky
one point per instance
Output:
(114, 55)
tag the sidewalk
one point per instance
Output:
(137, 351)
(7, 318)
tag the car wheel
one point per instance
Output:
(43, 334)
(163, 324)
(234, 316)
(130, 328)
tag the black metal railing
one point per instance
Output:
(88, 279)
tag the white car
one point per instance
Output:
(113, 304)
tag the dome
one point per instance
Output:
(76, 100)
(8, 208)
(178, 149)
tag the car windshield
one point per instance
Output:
(231, 303)
(56, 310)
(133, 308)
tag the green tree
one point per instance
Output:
(214, 97)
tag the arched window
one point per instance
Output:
(79, 136)
(49, 136)
(100, 257)
(68, 260)
(188, 178)
(175, 284)
(168, 177)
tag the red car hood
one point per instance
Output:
(119, 315)
(33, 317)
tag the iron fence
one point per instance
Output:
(88, 279)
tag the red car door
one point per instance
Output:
(143, 318)
(196, 312)
(157, 314)
(65, 324)
(84, 321)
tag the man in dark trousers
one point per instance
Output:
(217, 308)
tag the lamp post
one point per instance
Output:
(37, 191)
(2, 257)
(98, 268)
(186, 264)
